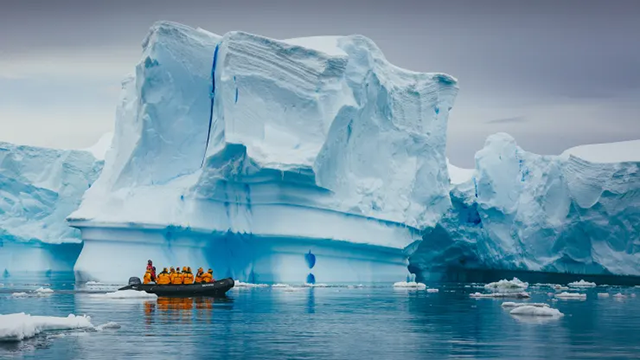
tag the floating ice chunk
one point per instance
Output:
(603, 295)
(126, 294)
(509, 304)
(433, 290)
(20, 294)
(529, 310)
(109, 325)
(17, 327)
(507, 285)
(317, 285)
(576, 296)
(519, 295)
(281, 285)
(560, 287)
(619, 296)
(240, 284)
(582, 284)
(410, 285)
(42, 290)
(91, 282)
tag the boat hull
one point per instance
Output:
(216, 288)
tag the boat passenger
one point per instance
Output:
(151, 269)
(177, 277)
(199, 276)
(188, 276)
(164, 278)
(207, 277)
(147, 277)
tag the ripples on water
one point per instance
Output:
(336, 323)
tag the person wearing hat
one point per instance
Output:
(199, 276)
(164, 278)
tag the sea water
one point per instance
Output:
(341, 322)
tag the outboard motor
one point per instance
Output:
(134, 280)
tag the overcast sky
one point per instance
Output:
(553, 74)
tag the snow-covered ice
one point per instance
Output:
(42, 290)
(410, 285)
(603, 295)
(571, 296)
(515, 295)
(561, 288)
(619, 296)
(507, 285)
(17, 327)
(240, 284)
(125, 294)
(582, 284)
(433, 290)
(536, 311)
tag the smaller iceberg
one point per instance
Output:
(510, 304)
(410, 285)
(507, 285)
(571, 296)
(20, 326)
(603, 295)
(582, 284)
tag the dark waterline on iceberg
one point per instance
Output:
(331, 322)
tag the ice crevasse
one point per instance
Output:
(302, 160)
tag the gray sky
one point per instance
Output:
(553, 74)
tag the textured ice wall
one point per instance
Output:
(39, 188)
(315, 138)
(544, 213)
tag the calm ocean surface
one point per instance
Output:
(328, 323)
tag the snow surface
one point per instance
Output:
(99, 149)
(617, 152)
(244, 145)
(17, 327)
(536, 311)
(576, 296)
(582, 284)
(507, 285)
(523, 211)
(459, 175)
(126, 294)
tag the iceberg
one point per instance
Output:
(572, 213)
(270, 161)
(20, 326)
(39, 188)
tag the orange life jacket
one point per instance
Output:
(164, 279)
(199, 277)
(177, 279)
(188, 278)
(147, 278)
(207, 278)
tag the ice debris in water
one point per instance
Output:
(560, 288)
(582, 284)
(433, 290)
(42, 290)
(240, 284)
(619, 296)
(17, 327)
(126, 294)
(410, 285)
(603, 295)
(518, 295)
(107, 326)
(509, 304)
(507, 285)
(20, 294)
(529, 310)
(569, 296)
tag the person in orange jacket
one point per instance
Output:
(188, 276)
(177, 277)
(208, 276)
(147, 277)
(164, 278)
(199, 276)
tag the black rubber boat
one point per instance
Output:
(216, 288)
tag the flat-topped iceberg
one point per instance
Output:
(293, 161)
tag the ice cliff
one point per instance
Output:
(39, 188)
(578, 212)
(271, 161)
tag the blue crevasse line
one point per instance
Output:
(234, 82)
(212, 96)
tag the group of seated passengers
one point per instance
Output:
(175, 276)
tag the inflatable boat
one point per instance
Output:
(216, 288)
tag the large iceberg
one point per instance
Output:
(574, 213)
(269, 161)
(39, 188)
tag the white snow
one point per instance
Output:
(510, 304)
(507, 285)
(571, 296)
(603, 295)
(459, 175)
(20, 294)
(126, 294)
(516, 295)
(536, 311)
(240, 284)
(16, 327)
(433, 290)
(617, 152)
(42, 290)
(582, 284)
(410, 285)
(99, 149)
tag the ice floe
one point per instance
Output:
(507, 285)
(582, 284)
(510, 304)
(529, 310)
(603, 295)
(433, 290)
(240, 284)
(20, 326)
(410, 285)
(518, 295)
(571, 296)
